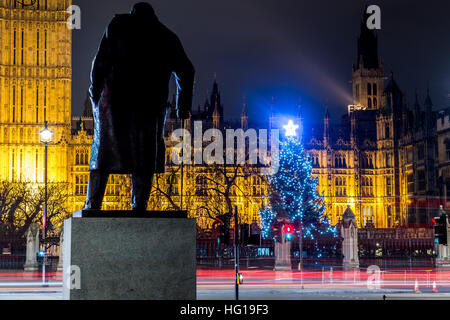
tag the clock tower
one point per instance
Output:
(35, 87)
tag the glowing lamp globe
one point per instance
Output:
(46, 135)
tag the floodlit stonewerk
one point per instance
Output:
(380, 159)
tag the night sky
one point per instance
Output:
(289, 49)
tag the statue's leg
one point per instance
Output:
(96, 189)
(140, 193)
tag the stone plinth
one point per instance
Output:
(123, 257)
(283, 256)
(443, 258)
(349, 232)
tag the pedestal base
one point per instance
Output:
(350, 265)
(129, 258)
(31, 267)
(443, 264)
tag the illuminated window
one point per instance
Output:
(81, 184)
(37, 47)
(172, 185)
(201, 186)
(14, 46)
(388, 160)
(388, 186)
(21, 47)
(112, 189)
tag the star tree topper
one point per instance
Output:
(291, 129)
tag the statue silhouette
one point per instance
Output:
(129, 92)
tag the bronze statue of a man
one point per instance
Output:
(129, 92)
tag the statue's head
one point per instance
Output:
(143, 9)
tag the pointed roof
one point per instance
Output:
(327, 114)
(416, 102)
(216, 110)
(367, 46)
(87, 112)
(348, 218)
(348, 214)
(299, 108)
(244, 107)
(215, 100)
(392, 86)
(428, 103)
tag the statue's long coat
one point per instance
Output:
(129, 92)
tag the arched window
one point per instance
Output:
(369, 103)
(369, 89)
(201, 183)
(374, 89)
(375, 102)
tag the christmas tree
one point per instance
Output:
(294, 193)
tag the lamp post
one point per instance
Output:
(46, 138)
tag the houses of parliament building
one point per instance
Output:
(385, 160)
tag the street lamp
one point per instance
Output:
(46, 138)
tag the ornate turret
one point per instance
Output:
(216, 117)
(326, 128)
(417, 113)
(244, 116)
(368, 74)
(367, 47)
(429, 123)
(87, 112)
(393, 96)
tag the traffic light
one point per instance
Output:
(440, 229)
(288, 232)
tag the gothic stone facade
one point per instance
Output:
(380, 160)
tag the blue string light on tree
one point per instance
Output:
(294, 190)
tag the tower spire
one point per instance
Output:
(244, 115)
(326, 126)
(299, 109)
(367, 46)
